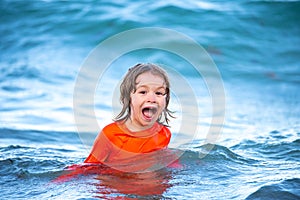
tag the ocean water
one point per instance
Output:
(255, 47)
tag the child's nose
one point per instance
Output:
(151, 97)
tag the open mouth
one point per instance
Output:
(149, 112)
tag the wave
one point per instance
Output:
(214, 152)
(22, 161)
(31, 162)
(274, 149)
(50, 143)
(285, 190)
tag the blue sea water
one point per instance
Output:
(255, 46)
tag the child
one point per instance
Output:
(137, 140)
(141, 126)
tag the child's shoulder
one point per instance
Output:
(166, 131)
(111, 127)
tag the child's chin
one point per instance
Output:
(147, 122)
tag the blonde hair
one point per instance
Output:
(128, 85)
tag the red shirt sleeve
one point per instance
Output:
(100, 150)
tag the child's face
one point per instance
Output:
(148, 101)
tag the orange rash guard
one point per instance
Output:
(117, 143)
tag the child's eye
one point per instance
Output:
(142, 92)
(159, 93)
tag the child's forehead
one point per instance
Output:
(148, 79)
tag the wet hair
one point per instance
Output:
(128, 86)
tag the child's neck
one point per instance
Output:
(134, 127)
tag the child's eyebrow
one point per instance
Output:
(161, 87)
(146, 86)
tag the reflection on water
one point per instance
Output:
(134, 184)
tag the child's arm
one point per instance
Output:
(100, 150)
